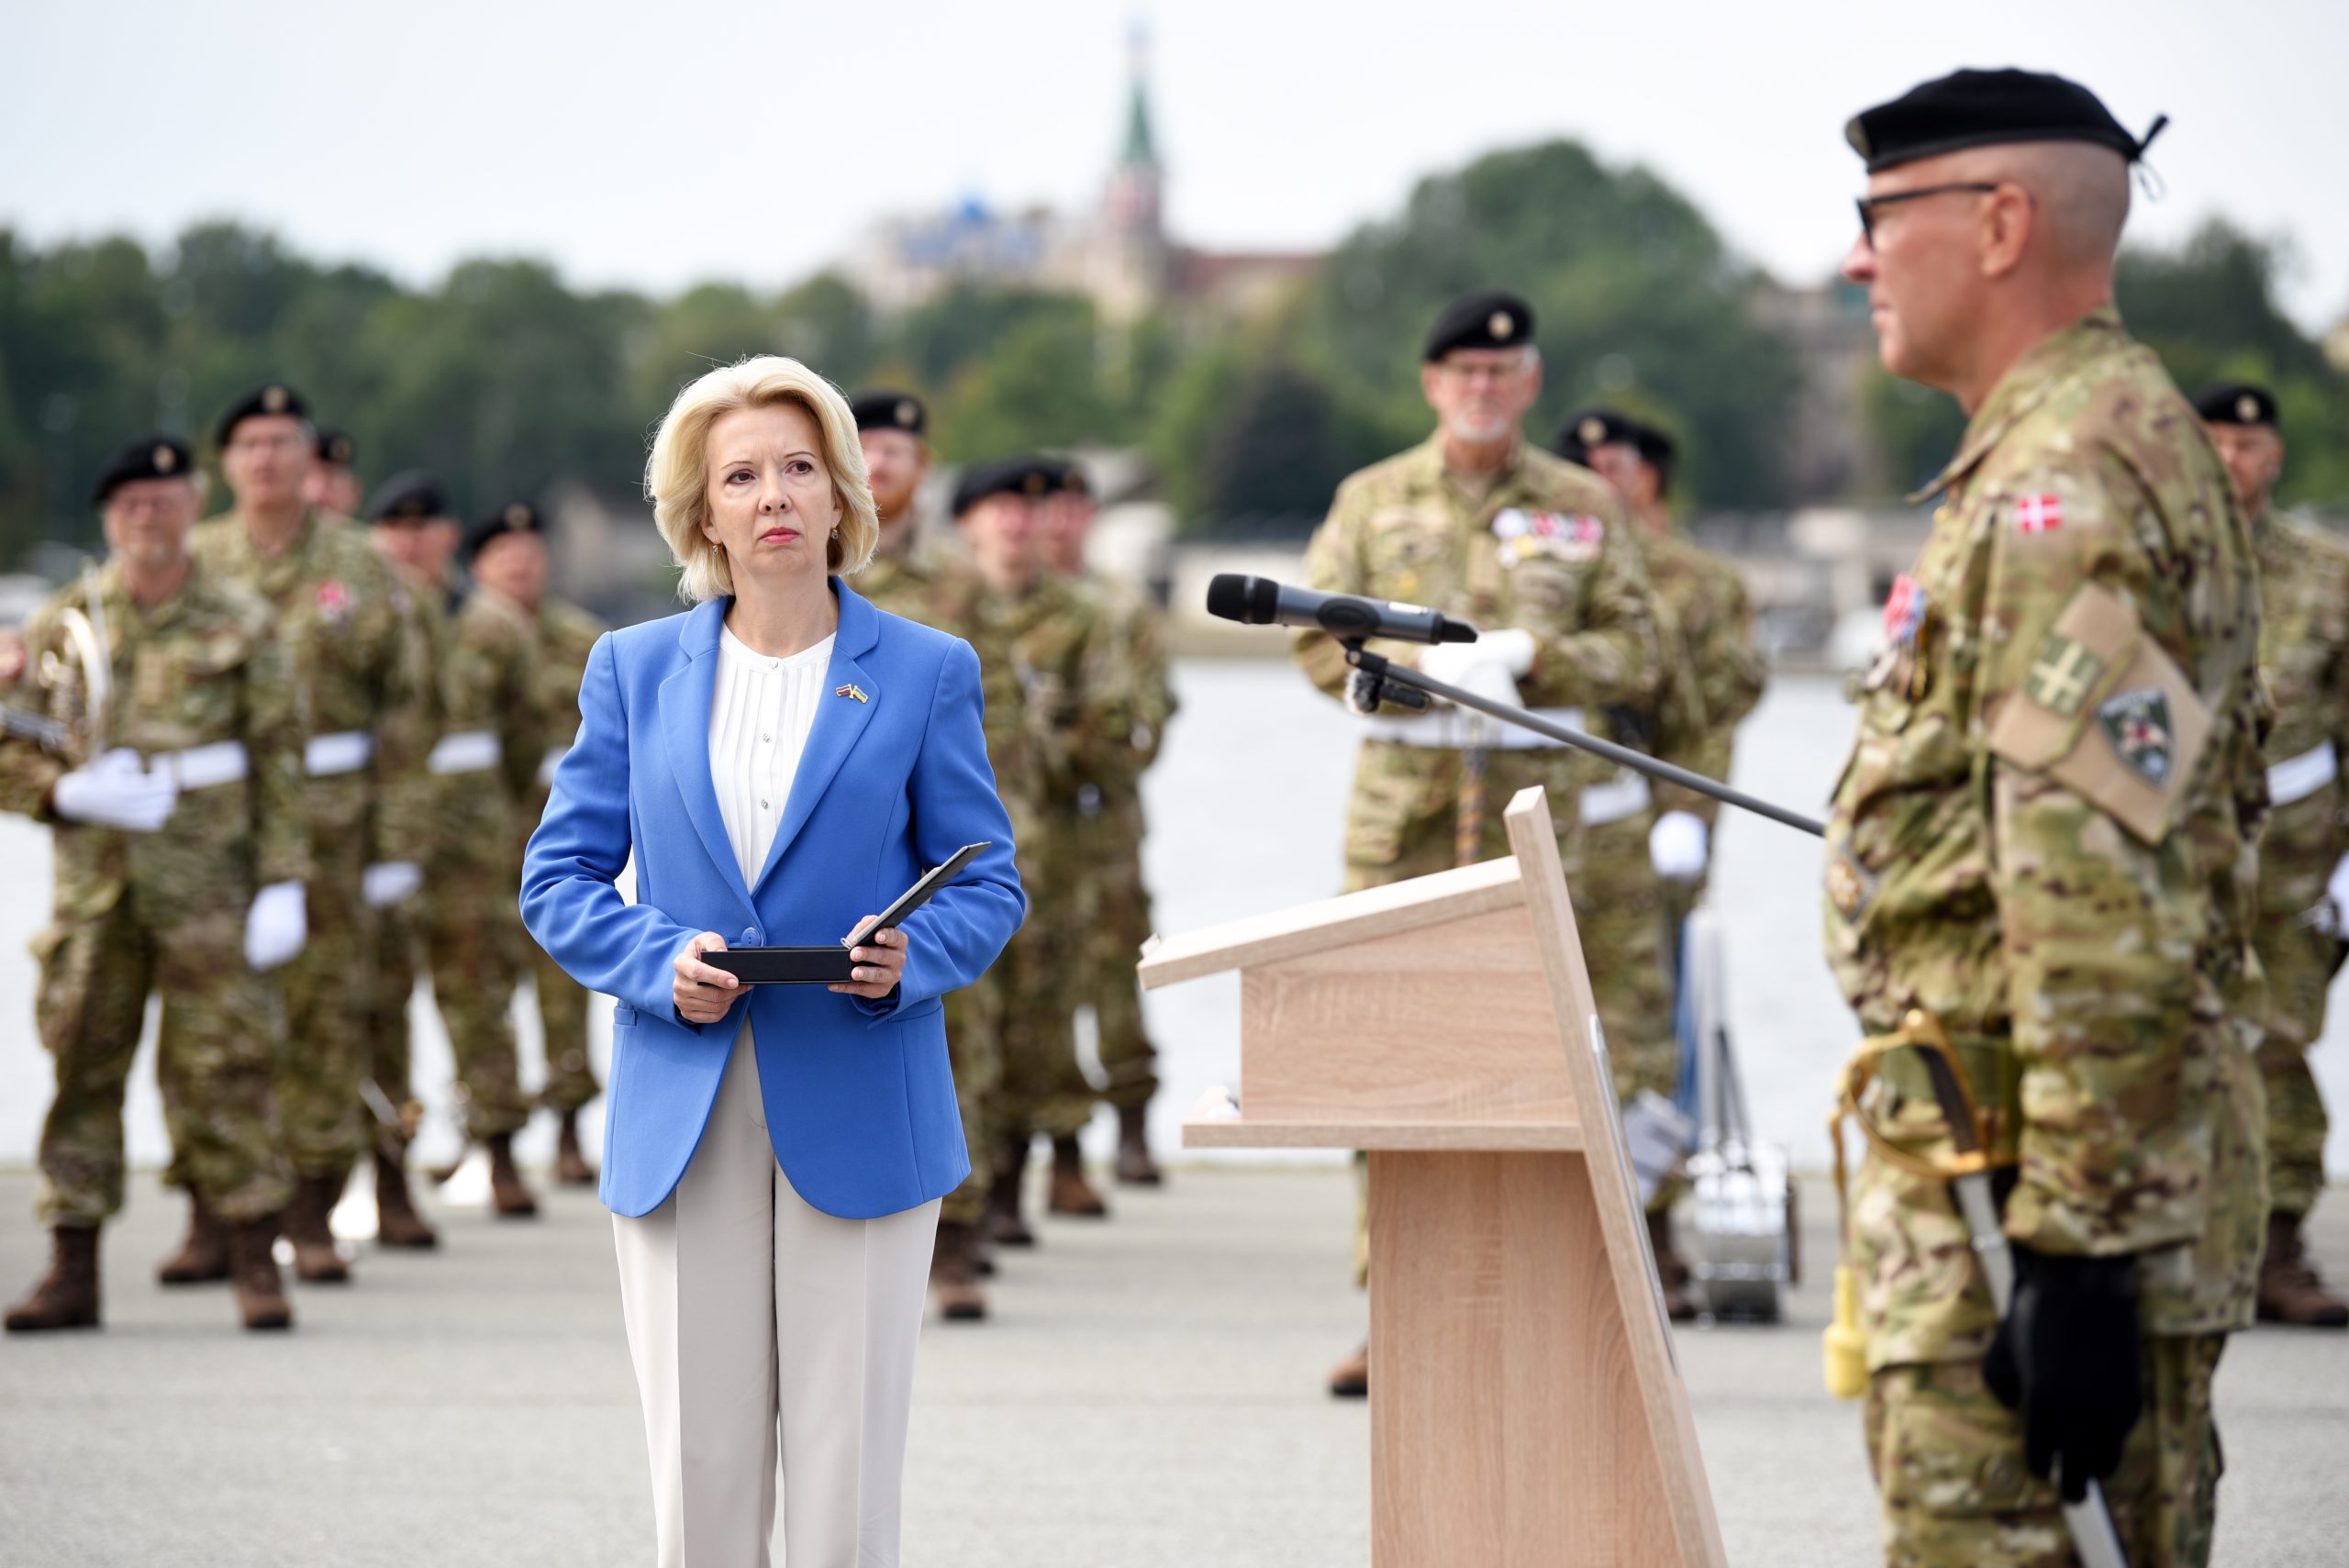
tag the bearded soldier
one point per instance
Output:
(1480, 524)
(2037, 854)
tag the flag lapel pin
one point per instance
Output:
(851, 691)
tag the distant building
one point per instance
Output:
(1831, 446)
(1118, 254)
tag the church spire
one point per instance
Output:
(1140, 151)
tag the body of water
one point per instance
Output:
(1246, 812)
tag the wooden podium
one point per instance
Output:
(1525, 1406)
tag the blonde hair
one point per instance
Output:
(676, 477)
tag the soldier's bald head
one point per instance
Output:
(2079, 195)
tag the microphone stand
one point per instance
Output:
(1406, 687)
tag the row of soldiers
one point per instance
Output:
(290, 763)
(1074, 679)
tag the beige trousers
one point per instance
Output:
(763, 1328)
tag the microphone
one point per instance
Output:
(1260, 601)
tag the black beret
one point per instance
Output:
(1980, 108)
(882, 409)
(514, 517)
(334, 447)
(272, 398)
(1492, 319)
(149, 457)
(1065, 476)
(1592, 427)
(1657, 448)
(2238, 403)
(409, 497)
(1032, 477)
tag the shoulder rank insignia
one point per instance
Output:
(851, 691)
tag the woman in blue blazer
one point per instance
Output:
(780, 761)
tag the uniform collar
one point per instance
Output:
(2025, 386)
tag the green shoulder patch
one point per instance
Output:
(2062, 675)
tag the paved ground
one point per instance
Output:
(1148, 1393)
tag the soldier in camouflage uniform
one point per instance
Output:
(2042, 839)
(925, 584)
(175, 787)
(2304, 659)
(1129, 692)
(1717, 680)
(351, 630)
(1034, 626)
(484, 759)
(1480, 524)
(333, 485)
(506, 554)
(418, 538)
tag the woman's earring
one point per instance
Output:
(836, 531)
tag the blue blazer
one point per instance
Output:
(859, 1100)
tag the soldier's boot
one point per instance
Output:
(954, 1274)
(1671, 1272)
(396, 1222)
(506, 1193)
(2289, 1290)
(1135, 1167)
(1069, 1193)
(1349, 1379)
(261, 1289)
(1004, 1226)
(67, 1296)
(317, 1260)
(570, 1167)
(203, 1256)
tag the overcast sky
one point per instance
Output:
(652, 145)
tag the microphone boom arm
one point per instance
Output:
(1387, 673)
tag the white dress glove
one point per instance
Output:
(2331, 915)
(115, 791)
(276, 926)
(1676, 846)
(387, 883)
(1479, 667)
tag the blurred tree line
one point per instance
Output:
(506, 381)
(2208, 308)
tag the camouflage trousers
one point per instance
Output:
(1116, 924)
(399, 938)
(974, 1046)
(563, 1023)
(472, 942)
(328, 998)
(1043, 1089)
(1949, 1466)
(215, 1060)
(2300, 962)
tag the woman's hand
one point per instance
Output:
(704, 992)
(880, 965)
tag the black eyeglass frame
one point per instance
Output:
(1867, 206)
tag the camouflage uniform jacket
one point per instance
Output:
(489, 685)
(1545, 549)
(1707, 598)
(565, 635)
(1131, 698)
(350, 627)
(2041, 839)
(2304, 662)
(203, 668)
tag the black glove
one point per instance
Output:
(2066, 1356)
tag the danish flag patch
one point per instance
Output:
(2039, 514)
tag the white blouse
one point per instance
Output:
(760, 714)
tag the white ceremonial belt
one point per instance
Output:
(2297, 778)
(344, 751)
(549, 763)
(1625, 795)
(1447, 729)
(201, 767)
(466, 751)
